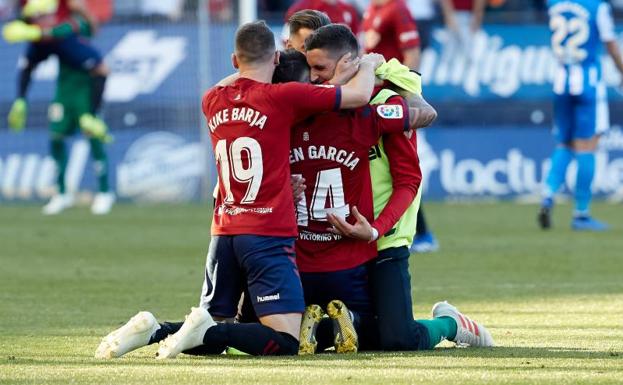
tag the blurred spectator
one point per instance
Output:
(101, 9)
(389, 29)
(221, 10)
(171, 9)
(463, 19)
(424, 12)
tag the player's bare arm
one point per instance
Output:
(449, 19)
(358, 90)
(478, 13)
(411, 57)
(421, 114)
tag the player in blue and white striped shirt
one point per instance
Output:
(579, 28)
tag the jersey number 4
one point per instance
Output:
(328, 195)
(230, 161)
(569, 35)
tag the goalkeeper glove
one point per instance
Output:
(17, 115)
(95, 127)
(18, 31)
(36, 8)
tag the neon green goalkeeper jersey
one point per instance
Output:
(404, 230)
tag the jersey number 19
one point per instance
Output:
(230, 161)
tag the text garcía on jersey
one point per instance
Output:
(348, 159)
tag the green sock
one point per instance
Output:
(59, 154)
(439, 329)
(100, 164)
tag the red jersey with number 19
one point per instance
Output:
(331, 152)
(250, 125)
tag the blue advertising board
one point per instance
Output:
(153, 107)
(161, 166)
(145, 166)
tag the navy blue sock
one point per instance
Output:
(166, 328)
(253, 338)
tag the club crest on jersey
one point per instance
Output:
(390, 111)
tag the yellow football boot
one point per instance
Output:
(346, 340)
(311, 318)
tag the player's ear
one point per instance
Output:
(234, 60)
(289, 44)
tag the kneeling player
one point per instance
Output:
(254, 222)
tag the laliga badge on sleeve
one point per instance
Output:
(390, 111)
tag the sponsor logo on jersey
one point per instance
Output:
(374, 152)
(269, 298)
(390, 111)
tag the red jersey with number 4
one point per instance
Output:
(250, 125)
(397, 29)
(331, 152)
(340, 12)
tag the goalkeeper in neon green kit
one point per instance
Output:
(73, 106)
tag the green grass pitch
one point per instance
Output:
(552, 300)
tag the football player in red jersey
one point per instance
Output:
(302, 24)
(335, 164)
(389, 29)
(254, 221)
(339, 11)
(391, 281)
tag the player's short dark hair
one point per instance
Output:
(337, 39)
(292, 67)
(307, 18)
(255, 42)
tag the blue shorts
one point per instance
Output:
(265, 265)
(73, 51)
(581, 116)
(350, 286)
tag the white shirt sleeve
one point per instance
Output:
(605, 24)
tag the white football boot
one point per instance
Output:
(57, 204)
(189, 336)
(468, 332)
(102, 203)
(131, 336)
